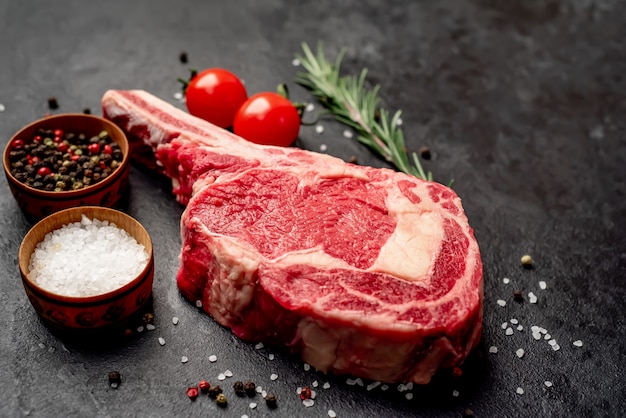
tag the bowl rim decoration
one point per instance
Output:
(55, 221)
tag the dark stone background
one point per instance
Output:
(522, 104)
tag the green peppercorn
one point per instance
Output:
(60, 185)
(221, 400)
(103, 134)
(214, 391)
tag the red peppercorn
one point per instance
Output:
(43, 171)
(305, 393)
(457, 372)
(94, 148)
(57, 139)
(74, 157)
(62, 147)
(192, 393)
(107, 149)
(204, 386)
(37, 139)
(58, 132)
(35, 159)
(17, 144)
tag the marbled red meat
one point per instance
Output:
(363, 271)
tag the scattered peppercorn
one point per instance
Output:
(87, 111)
(115, 379)
(305, 393)
(214, 391)
(148, 318)
(270, 400)
(204, 386)
(518, 296)
(238, 387)
(527, 261)
(221, 400)
(183, 57)
(468, 413)
(457, 372)
(192, 393)
(250, 388)
(425, 152)
(53, 103)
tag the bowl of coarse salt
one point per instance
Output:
(87, 269)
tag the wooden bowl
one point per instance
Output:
(102, 312)
(37, 204)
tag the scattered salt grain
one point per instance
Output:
(273, 376)
(184, 359)
(212, 358)
(537, 336)
(112, 257)
(509, 331)
(409, 386)
(493, 349)
(323, 148)
(358, 381)
(175, 320)
(252, 405)
(315, 384)
(259, 389)
(532, 298)
(259, 346)
(409, 396)
(520, 328)
(309, 107)
(319, 129)
(139, 329)
(313, 394)
(552, 342)
(504, 325)
(150, 327)
(520, 352)
(455, 393)
(161, 340)
(198, 304)
(501, 302)
(263, 394)
(534, 328)
(326, 385)
(307, 367)
(506, 280)
(384, 387)
(2, 108)
(228, 373)
(270, 356)
(543, 330)
(245, 416)
(308, 403)
(350, 382)
(348, 134)
(542, 285)
(548, 383)
(221, 376)
(578, 343)
(373, 385)
(296, 62)
(514, 321)
(556, 347)
(547, 337)
(332, 414)
(520, 391)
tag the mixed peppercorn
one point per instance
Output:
(54, 160)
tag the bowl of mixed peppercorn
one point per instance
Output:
(67, 160)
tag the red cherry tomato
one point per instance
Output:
(215, 95)
(268, 119)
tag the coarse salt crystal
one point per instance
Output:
(315, 384)
(509, 331)
(140, 329)
(313, 394)
(506, 280)
(319, 129)
(348, 134)
(373, 385)
(532, 298)
(543, 330)
(547, 337)
(542, 285)
(514, 321)
(263, 393)
(259, 346)
(212, 358)
(493, 349)
(175, 320)
(556, 347)
(259, 389)
(350, 382)
(409, 396)
(198, 303)
(326, 385)
(252, 405)
(504, 325)
(534, 328)
(332, 414)
(308, 403)
(552, 342)
(455, 393)
(270, 356)
(323, 148)
(520, 328)
(2, 108)
(112, 257)
(548, 383)
(309, 107)
(501, 302)
(295, 62)
(520, 352)
(228, 373)
(409, 386)
(307, 367)
(161, 340)
(578, 343)
(178, 95)
(221, 376)
(519, 391)
(150, 327)
(245, 416)
(273, 376)
(537, 336)
(184, 359)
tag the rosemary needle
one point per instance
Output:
(349, 100)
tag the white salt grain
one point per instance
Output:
(542, 285)
(520, 391)
(455, 393)
(552, 342)
(548, 383)
(578, 343)
(348, 134)
(270, 356)
(263, 393)
(532, 298)
(520, 328)
(198, 304)
(184, 359)
(556, 347)
(399, 122)
(493, 349)
(536, 336)
(228, 373)
(307, 367)
(252, 405)
(332, 414)
(313, 394)
(520, 352)
(308, 403)
(212, 358)
(2, 108)
(161, 340)
(259, 346)
(175, 320)
(326, 385)
(315, 384)
(501, 302)
(259, 389)
(273, 376)
(547, 337)
(309, 107)
(506, 280)
(323, 148)
(509, 331)
(295, 62)
(319, 129)
(514, 321)
(504, 325)
(178, 95)
(221, 376)
(373, 385)
(409, 396)
(245, 416)
(86, 258)
(150, 327)
(139, 329)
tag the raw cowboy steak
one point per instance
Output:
(363, 271)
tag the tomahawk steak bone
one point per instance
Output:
(363, 271)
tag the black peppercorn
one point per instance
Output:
(214, 391)
(270, 400)
(517, 295)
(53, 103)
(425, 153)
(115, 379)
(250, 388)
(238, 387)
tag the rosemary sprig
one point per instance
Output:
(349, 100)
